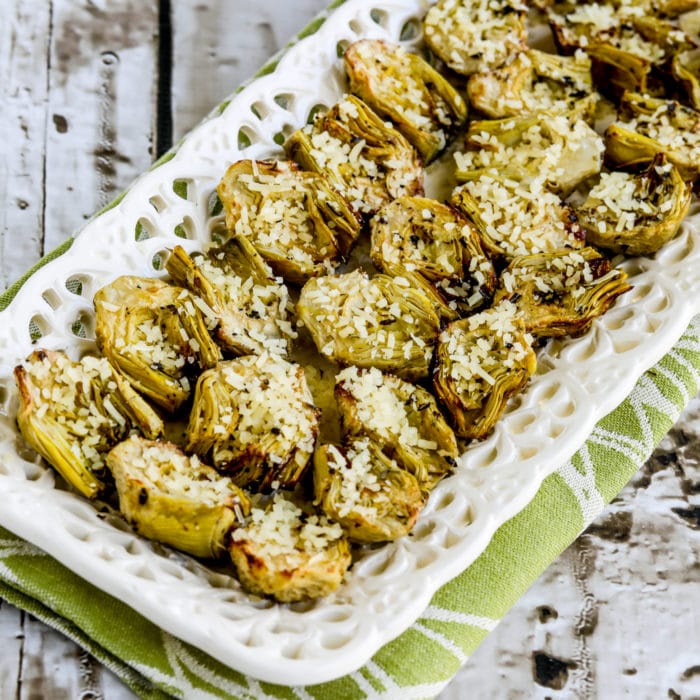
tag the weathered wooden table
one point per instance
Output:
(91, 91)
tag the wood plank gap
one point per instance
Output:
(164, 100)
(44, 159)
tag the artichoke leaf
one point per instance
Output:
(514, 218)
(635, 214)
(155, 335)
(400, 417)
(364, 157)
(249, 304)
(561, 293)
(289, 554)
(482, 361)
(72, 413)
(534, 81)
(475, 36)
(405, 88)
(563, 150)
(647, 126)
(254, 419)
(433, 241)
(379, 322)
(366, 492)
(299, 225)
(175, 499)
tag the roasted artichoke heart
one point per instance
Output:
(240, 293)
(155, 334)
(254, 418)
(403, 87)
(298, 223)
(403, 419)
(288, 554)
(647, 126)
(477, 35)
(560, 150)
(685, 68)
(482, 361)
(72, 413)
(172, 498)
(433, 240)
(517, 218)
(635, 214)
(372, 498)
(534, 81)
(379, 322)
(561, 293)
(364, 157)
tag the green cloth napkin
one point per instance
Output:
(420, 662)
(423, 659)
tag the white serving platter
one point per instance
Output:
(578, 382)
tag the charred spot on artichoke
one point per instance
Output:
(433, 240)
(254, 419)
(403, 87)
(474, 36)
(561, 293)
(635, 214)
(172, 498)
(72, 413)
(403, 419)
(366, 492)
(288, 554)
(482, 361)
(299, 225)
(154, 334)
(517, 218)
(237, 290)
(379, 322)
(364, 157)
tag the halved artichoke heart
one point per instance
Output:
(72, 413)
(561, 150)
(517, 218)
(300, 225)
(433, 240)
(406, 89)
(534, 81)
(379, 322)
(475, 35)
(685, 68)
(155, 334)
(403, 419)
(175, 499)
(482, 361)
(634, 55)
(289, 554)
(364, 157)
(647, 126)
(366, 492)
(561, 293)
(635, 214)
(580, 24)
(254, 419)
(249, 304)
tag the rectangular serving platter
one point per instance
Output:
(578, 382)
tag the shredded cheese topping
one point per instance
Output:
(283, 530)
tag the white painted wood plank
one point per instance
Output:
(218, 45)
(23, 91)
(101, 107)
